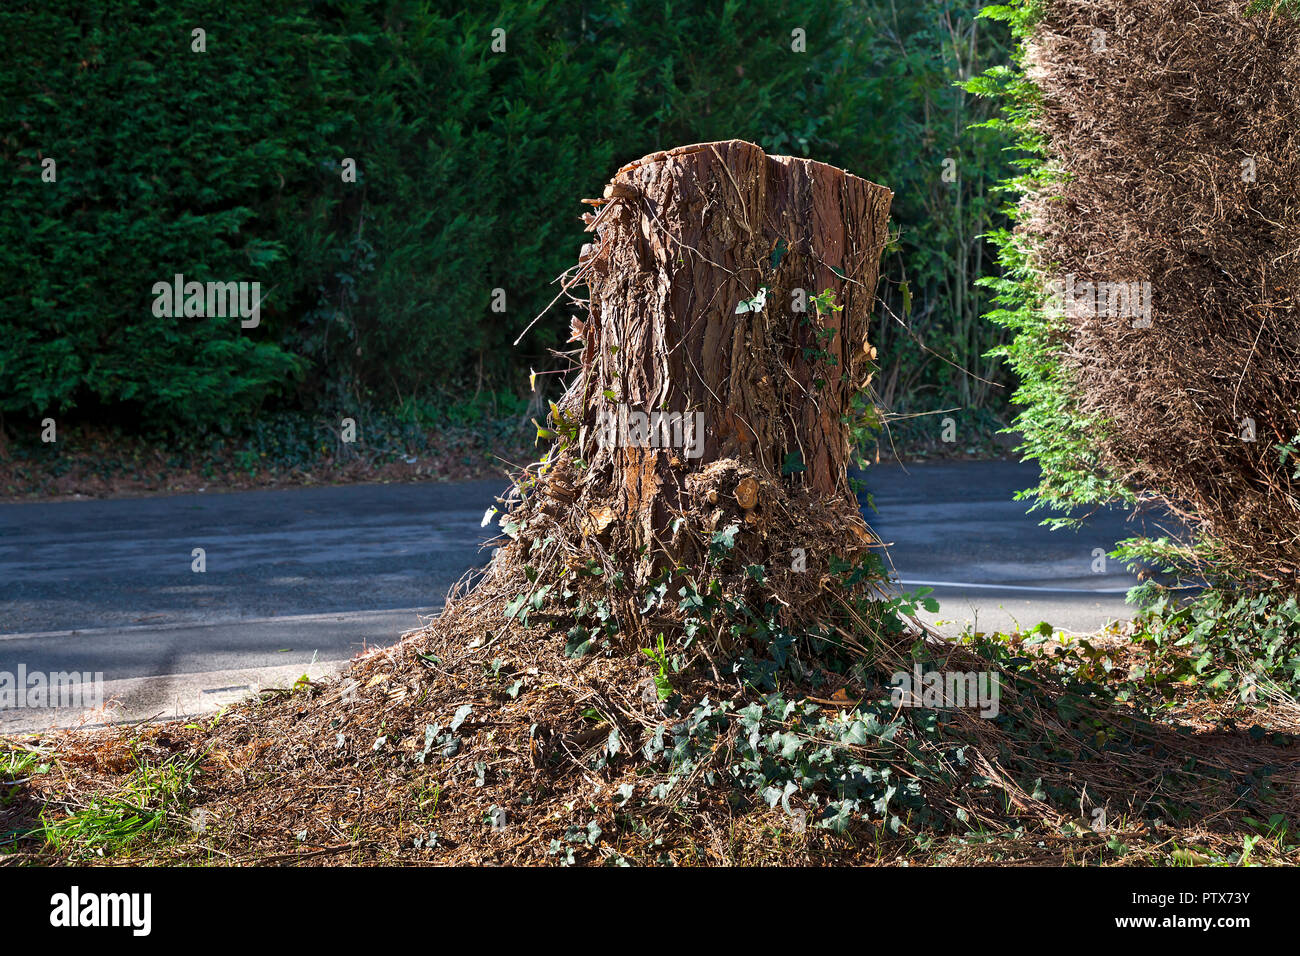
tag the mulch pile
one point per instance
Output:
(479, 741)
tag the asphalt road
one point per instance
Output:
(956, 527)
(296, 582)
(300, 580)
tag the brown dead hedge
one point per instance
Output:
(1176, 124)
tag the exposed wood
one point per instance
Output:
(702, 277)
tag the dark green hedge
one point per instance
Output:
(224, 166)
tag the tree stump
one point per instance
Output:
(716, 373)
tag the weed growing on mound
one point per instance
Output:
(734, 685)
(1291, 7)
(142, 810)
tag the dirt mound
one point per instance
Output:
(489, 738)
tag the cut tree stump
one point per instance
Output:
(712, 383)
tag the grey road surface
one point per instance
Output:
(955, 527)
(300, 580)
(296, 582)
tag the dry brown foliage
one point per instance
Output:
(1178, 125)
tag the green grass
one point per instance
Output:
(1291, 7)
(17, 764)
(151, 804)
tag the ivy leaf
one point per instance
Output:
(778, 253)
(461, 713)
(1221, 680)
(726, 538)
(856, 735)
(790, 744)
(515, 606)
(578, 643)
(755, 304)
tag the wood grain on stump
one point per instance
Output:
(684, 238)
